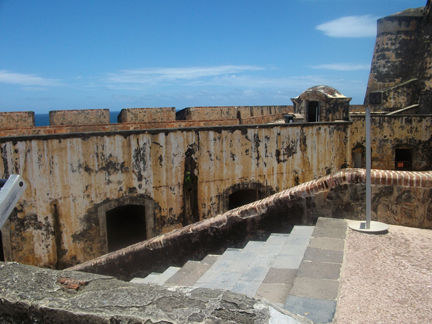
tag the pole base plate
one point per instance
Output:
(375, 227)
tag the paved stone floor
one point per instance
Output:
(386, 278)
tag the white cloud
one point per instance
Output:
(159, 75)
(342, 66)
(217, 76)
(350, 26)
(247, 81)
(26, 79)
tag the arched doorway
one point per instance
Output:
(242, 197)
(313, 112)
(127, 220)
(244, 193)
(126, 225)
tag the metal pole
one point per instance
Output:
(368, 170)
(368, 226)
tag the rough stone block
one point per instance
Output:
(327, 243)
(275, 275)
(146, 115)
(79, 117)
(273, 292)
(317, 310)
(315, 288)
(320, 255)
(321, 270)
(18, 119)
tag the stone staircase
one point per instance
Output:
(297, 271)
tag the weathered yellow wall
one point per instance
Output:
(389, 133)
(78, 173)
(273, 157)
(72, 175)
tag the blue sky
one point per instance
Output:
(58, 55)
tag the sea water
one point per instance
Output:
(43, 119)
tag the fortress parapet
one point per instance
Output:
(231, 112)
(79, 117)
(146, 115)
(17, 119)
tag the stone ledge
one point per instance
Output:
(33, 295)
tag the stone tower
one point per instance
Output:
(401, 69)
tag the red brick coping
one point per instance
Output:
(346, 176)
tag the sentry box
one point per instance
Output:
(11, 191)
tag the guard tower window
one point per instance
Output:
(125, 226)
(313, 111)
(242, 197)
(403, 159)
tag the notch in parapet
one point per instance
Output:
(79, 117)
(17, 119)
(146, 115)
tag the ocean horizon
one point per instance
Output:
(43, 119)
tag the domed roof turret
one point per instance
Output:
(326, 90)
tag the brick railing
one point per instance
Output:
(340, 195)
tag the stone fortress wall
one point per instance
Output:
(72, 177)
(400, 74)
(179, 175)
(181, 167)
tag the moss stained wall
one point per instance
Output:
(74, 178)
(277, 158)
(391, 132)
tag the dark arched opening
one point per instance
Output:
(126, 225)
(2, 258)
(359, 157)
(313, 111)
(244, 193)
(242, 197)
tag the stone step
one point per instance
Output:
(149, 279)
(192, 271)
(164, 276)
(315, 286)
(297, 271)
(157, 278)
(253, 245)
(262, 269)
(279, 279)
